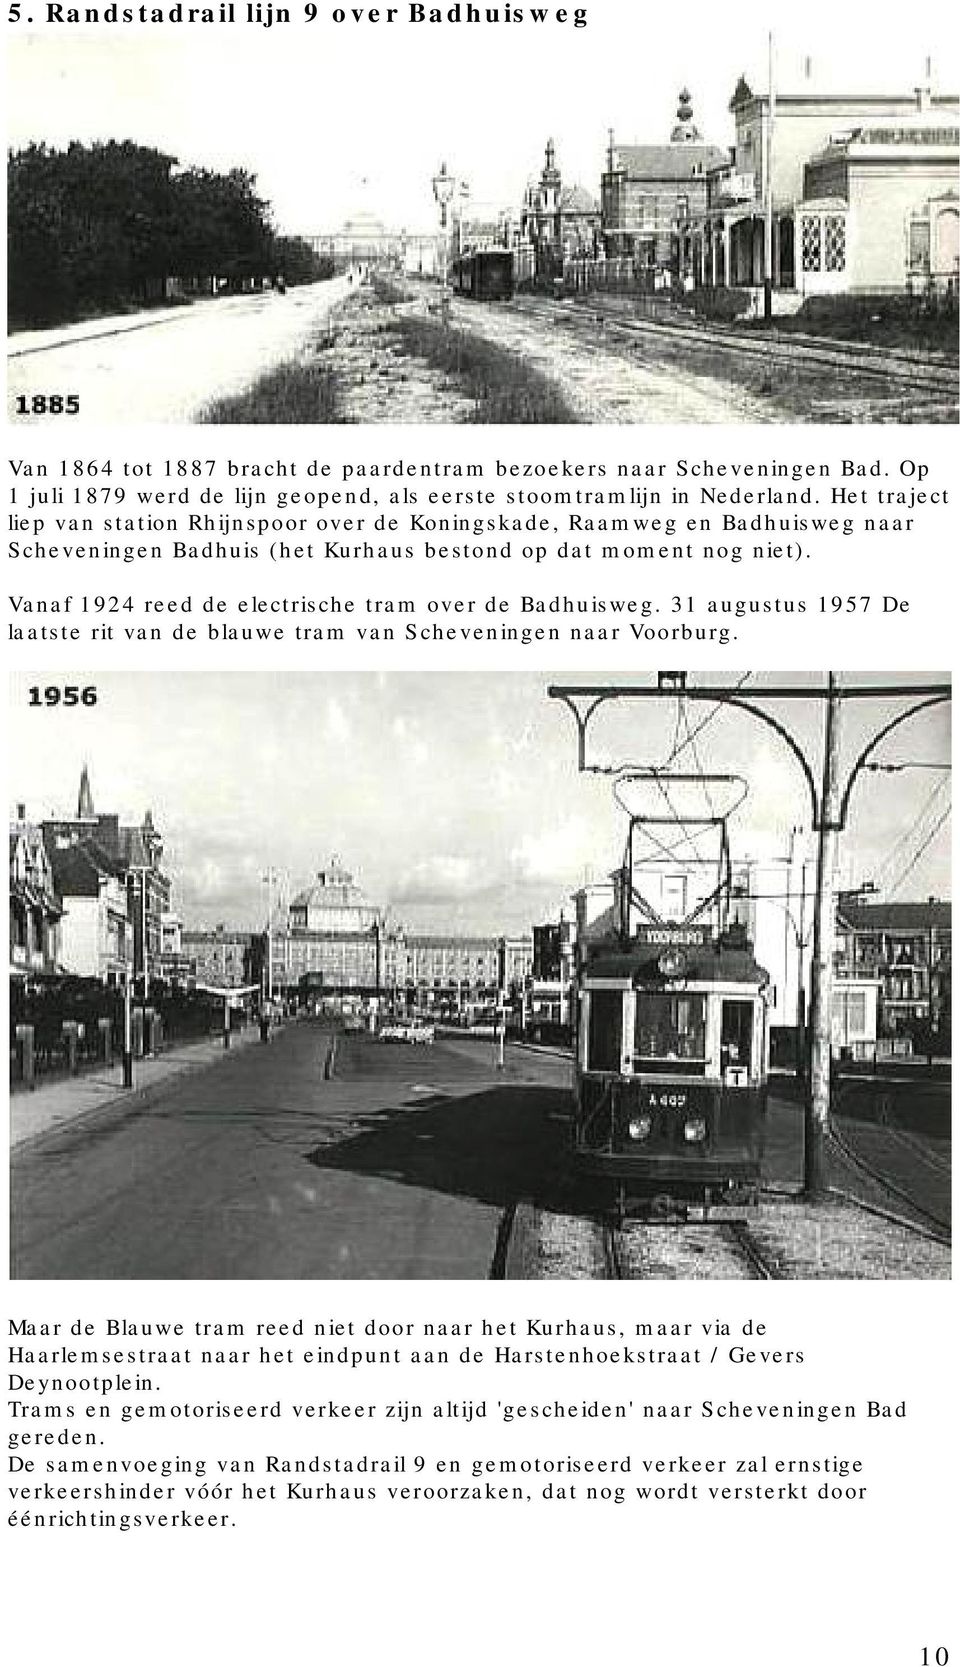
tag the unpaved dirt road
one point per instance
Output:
(166, 367)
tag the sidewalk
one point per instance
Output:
(54, 1103)
(89, 329)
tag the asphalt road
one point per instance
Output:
(258, 1167)
(399, 1167)
(166, 366)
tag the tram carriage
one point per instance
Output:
(671, 1033)
(671, 1050)
(484, 275)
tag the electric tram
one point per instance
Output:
(671, 1030)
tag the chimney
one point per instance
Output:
(923, 98)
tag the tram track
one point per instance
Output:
(681, 1250)
(881, 364)
(613, 1267)
(934, 1160)
(841, 1235)
(763, 1269)
(855, 1160)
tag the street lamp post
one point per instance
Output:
(128, 1026)
(444, 186)
(269, 880)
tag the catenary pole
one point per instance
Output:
(768, 188)
(817, 1105)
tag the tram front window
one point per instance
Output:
(736, 1034)
(606, 1028)
(669, 1029)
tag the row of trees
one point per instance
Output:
(100, 227)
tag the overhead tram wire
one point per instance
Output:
(928, 841)
(698, 857)
(908, 833)
(704, 721)
(697, 760)
(677, 746)
(671, 851)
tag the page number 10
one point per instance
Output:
(934, 1658)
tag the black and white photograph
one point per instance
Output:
(431, 976)
(479, 1108)
(752, 220)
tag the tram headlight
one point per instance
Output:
(639, 1128)
(695, 1130)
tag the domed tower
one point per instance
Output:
(686, 131)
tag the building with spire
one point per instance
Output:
(559, 221)
(648, 192)
(101, 856)
(85, 798)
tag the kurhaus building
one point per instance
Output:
(336, 941)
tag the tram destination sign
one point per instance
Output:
(673, 937)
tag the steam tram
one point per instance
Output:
(484, 275)
(671, 1082)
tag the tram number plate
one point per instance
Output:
(666, 1099)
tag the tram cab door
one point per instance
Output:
(736, 1043)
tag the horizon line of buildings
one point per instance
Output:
(89, 899)
(859, 191)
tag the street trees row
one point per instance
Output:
(99, 227)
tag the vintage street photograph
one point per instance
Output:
(626, 221)
(460, 976)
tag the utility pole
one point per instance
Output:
(768, 189)
(817, 1105)
(801, 994)
(444, 186)
(127, 1027)
(269, 880)
(500, 1021)
(377, 968)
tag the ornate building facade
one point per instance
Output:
(35, 907)
(131, 852)
(862, 187)
(649, 192)
(335, 941)
(559, 221)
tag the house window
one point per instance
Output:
(918, 251)
(834, 243)
(810, 243)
